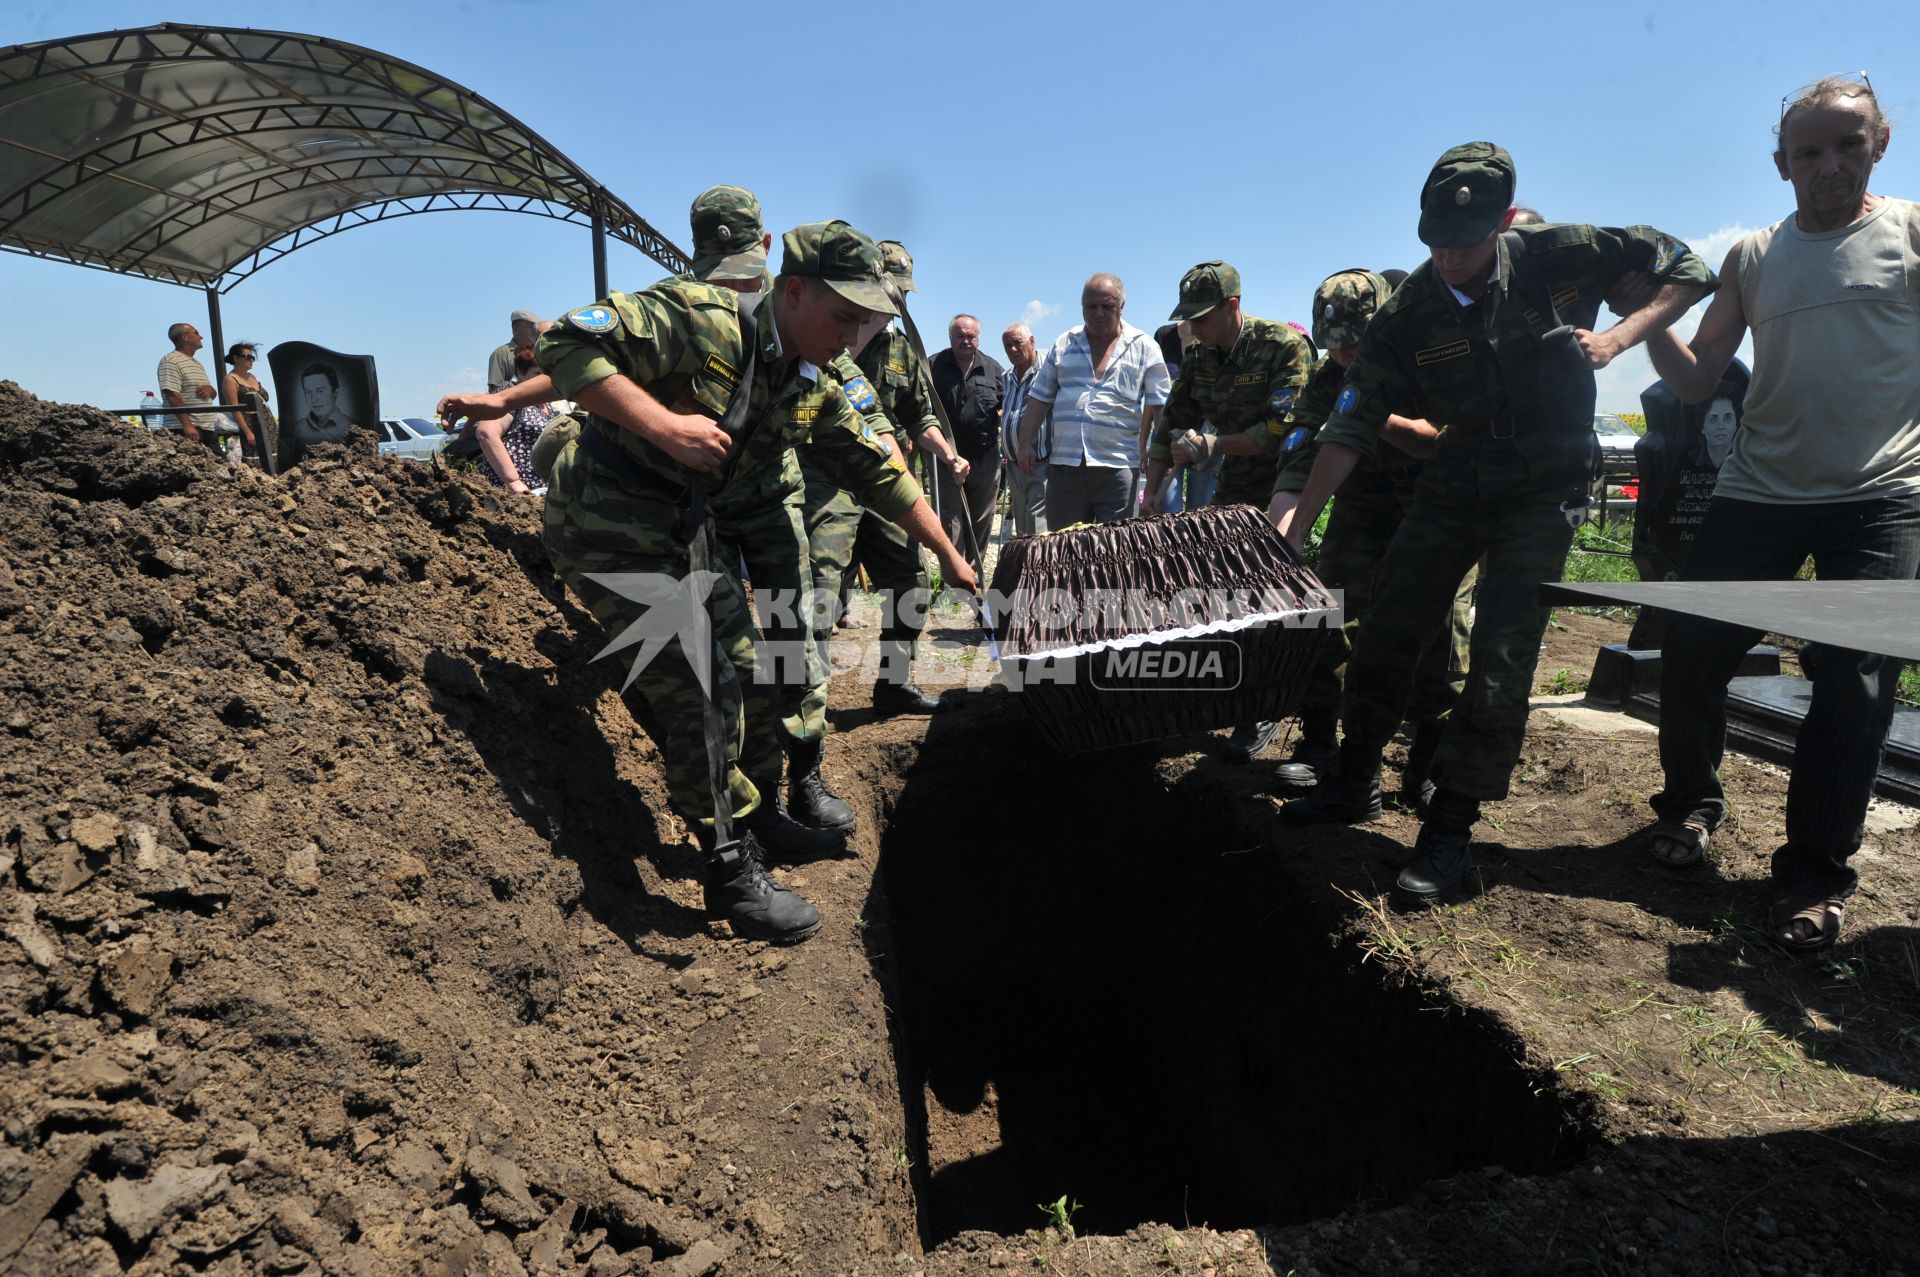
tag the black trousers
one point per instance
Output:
(1845, 733)
(981, 488)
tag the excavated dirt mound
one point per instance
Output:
(346, 925)
(346, 930)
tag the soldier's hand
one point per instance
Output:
(1599, 348)
(961, 468)
(455, 409)
(957, 574)
(1632, 291)
(694, 441)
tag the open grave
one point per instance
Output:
(346, 930)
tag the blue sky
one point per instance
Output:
(1014, 148)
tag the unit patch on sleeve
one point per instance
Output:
(860, 394)
(594, 319)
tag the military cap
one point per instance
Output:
(1343, 304)
(847, 261)
(899, 263)
(728, 240)
(1466, 195)
(1204, 287)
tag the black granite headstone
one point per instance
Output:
(322, 394)
(1679, 460)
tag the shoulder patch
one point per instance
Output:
(1281, 400)
(1297, 437)
(1666, 252)
(1434, 354)
(721, 368)
(860, 394)
(594, 319)
(1348, 398)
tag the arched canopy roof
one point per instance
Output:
(198, 155)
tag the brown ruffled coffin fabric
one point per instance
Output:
(1231, 616)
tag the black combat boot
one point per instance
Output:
(895, 692)
(1314, 757)
(784, 839)
(1348, 797)
(1442, 855)
(1416, 787)
(809, 801)
(757, 907)
(1247, 740)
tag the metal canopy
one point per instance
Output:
(198, 155)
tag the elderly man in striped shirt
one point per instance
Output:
(1104, 382)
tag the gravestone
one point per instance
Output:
(1679, 460)
(323, 393)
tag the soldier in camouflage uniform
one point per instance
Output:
(1463, 344)
(1240, 374)
(654, 371)
(840, 532)
(759, 523)
(1366, 513)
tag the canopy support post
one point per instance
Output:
(599, 246)
(218, 338)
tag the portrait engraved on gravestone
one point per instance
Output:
(325, 394)
(1679, 460)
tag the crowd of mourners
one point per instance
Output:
(1444, 412)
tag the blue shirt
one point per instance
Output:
(1096, 421)
(1013, 399)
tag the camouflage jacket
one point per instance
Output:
(1298, 443)
(683, 341)
(1241, 391)
(894, 369)
(1470, 369)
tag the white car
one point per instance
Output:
(1616, 445)
(411, 438)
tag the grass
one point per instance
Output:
(1601, 552)
(1060, 1214)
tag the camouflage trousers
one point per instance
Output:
(1473, 502)
(769, 537)
(594, 525)
(1366, 514)
(840, 533)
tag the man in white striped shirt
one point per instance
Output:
(1104, 383)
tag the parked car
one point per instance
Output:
(411, 438)
(1616, 446)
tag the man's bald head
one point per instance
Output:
(1103, 298)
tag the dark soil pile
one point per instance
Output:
(345, 927)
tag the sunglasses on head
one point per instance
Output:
(1851, 77)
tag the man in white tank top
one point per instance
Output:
(1827, 464)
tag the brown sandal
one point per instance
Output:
(1679, 843)
(1822, 916)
